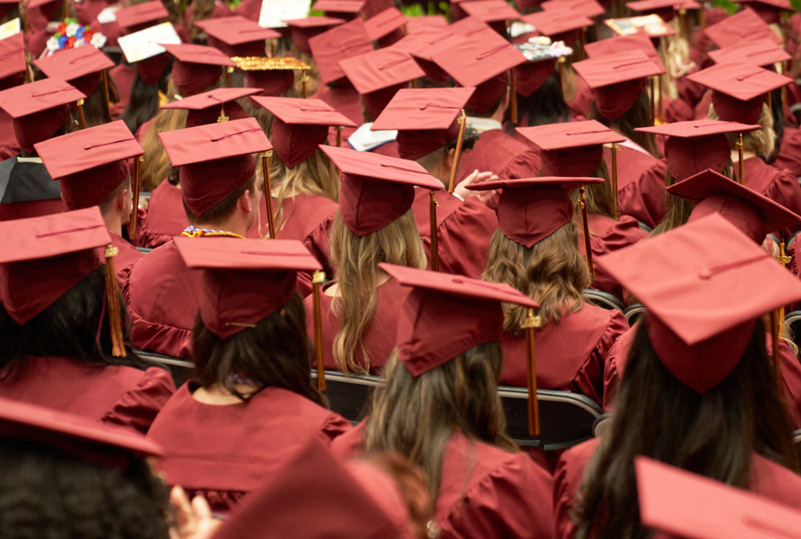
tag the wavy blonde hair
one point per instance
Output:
(552, 272)
(156, 164)
(762, 141)
(355, 260)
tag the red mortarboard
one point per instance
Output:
(32, 4)
(80, 66)
(90, 163)
(666, 9)
(585, 8)
(532, 74)
(244, 280)
(482, 63)
(139, 16)
(702, 303)
(425, 118)
(384, 23)
(414, 24)
(12, 61)
(631, 42)
(739, 89)
(752, 213)
(697, 145)
(300, 125)
(378, 75)
(744, 25)
(759, 52)
(376, 189)
(273, 76)
(81, 436)
(446, 315)
(470, 27)
(768, 10)
(301, 30)
(617, 80)
(531, 209)
(236, 35)
(42, 258)
(336, 44)
(215, 159)
(490, 11)
(196, 67)
(684, 504)
(561, 24)
(572, 148)
(350, 8)
(427, 42)
(38, 109)
(210, 107)
(314, 483)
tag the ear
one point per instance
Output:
(120, 202)
(245, 202)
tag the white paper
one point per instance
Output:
(10, 28)
(363, 139)
(144, 44)
(108, 15)
(275, 12)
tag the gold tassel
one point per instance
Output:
(615, 210)
(652, 83)
(268, 191)
(432, 211)
(586, 227)
(228, 71)
(132, 232)
(530, 324)
(317, 281)
(455, 165)
(81, 115)
(339, 135)
(113, 301)
(740, 153)
(107, 108)
(304, 80)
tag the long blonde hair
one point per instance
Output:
(156, 164)
(355, 260)
(762, 141)
(552, 273)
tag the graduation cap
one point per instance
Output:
(81, 67)
(758, 52)
(196, 67)
(702, 303)
(38, 109)
(560, 24)
(144, 51)
(236, 35)
(12, 61)
(427, 42)
(215, 159)
(337, 44)
(684, 504)
(495, 13)
(745, 25)
(382, 26)
(540, 64)
(140, 16)
(617, 80)
(630, 42)
(273, 76)
(376, 189)
(26, 190)
(697, 145)
(218, 105)
(768, 10)
(90, 163)
(752, 213)
(585, 8)
(301, 30)
(739, 90)
(300, 125)
(378, 75)
(484, 64)
(445, 315)
(80, 436)
(345, 9)
(665, 9)
(653, 25)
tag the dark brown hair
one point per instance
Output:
(224, 209)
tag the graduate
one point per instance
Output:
(440, 408)
(63, 343)
(375, 224)
(217, 176)
(13, 69)
(535, 250)
(699, 391)
(251, 403)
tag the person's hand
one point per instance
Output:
(193, 519)
(474, 177)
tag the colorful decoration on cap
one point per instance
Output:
(70, 35)
(653, 25)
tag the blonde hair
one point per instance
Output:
(552, 272)
(762, 141)
(355, 259)
(156, 164)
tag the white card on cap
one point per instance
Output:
(363, 139)
(108, 15)
(147, 43)
(275, 12)
(10, 28)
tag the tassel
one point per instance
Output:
(586, 227)
(81, 115)
(513, 95)
(740, 154)
(228, 71)
(304, 80)
(317, 282)
(615, 211)
(339, 135)
(774, 332)
(113, 299)
(107, 108)
(268, 191)
(455, 165)
(530, 324)
(432, 213)
(134, 221)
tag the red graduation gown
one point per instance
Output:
(776, 184)
(570, 354)
(126, 256)
(308, 218)
(631, 164)
(123, 77)
(379, 339)
(160, 293)
(113, 393)
(165, 218)
(644, 198)
(9, 147)
(464, 231)
(502, 154)
(224, 452)
(789, 157)
(767, 479)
